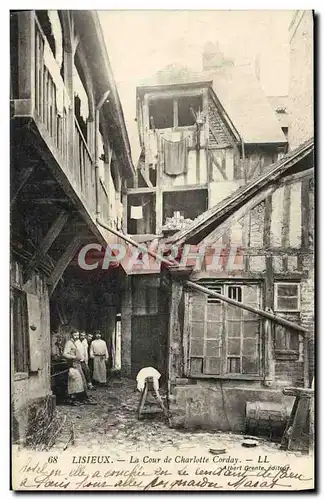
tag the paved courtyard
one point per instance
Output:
(113, 424)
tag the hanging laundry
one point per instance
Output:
(54, 70)
(175, 157)
(137, 212)
(79, 91)
(56, 26)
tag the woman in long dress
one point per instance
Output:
(99, 354)
(76, 380)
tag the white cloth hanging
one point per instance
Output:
(79, 90)
(137, 212)
(54, 19)
(54, 70)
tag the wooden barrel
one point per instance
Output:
(266, 419)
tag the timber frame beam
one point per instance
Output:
(62, 263)
(264, 314)
(23, 179)
(46, 243)
(174, 264)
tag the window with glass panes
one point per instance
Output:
(287, 300)
(224, 339)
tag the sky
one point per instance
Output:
(140, 42)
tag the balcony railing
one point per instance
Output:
(103, 202)
(43, 95)
(83, 169)
(51, 99)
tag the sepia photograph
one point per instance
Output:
(162, 250)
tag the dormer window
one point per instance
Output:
(187, 108)
(161, 113)
(174, 112)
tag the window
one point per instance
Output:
(190, 204)
(287, 297)
(286, 342)
(210, 283)
(20, 331)
(224, 339)
(161, 113)
(235, 293)
(187, 108)
(174, 112)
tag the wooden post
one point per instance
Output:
(159, 191)
(269, 327)
(174, 337)
(62, 263)
(46, 243)
(125, 212)
(186, 335)
(26, 55)
(126, 328)
(269, 364)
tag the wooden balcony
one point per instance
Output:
(45, 101)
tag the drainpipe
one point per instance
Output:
(97, 180)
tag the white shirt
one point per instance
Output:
(145, 373)
(84, 342)
(98, 348)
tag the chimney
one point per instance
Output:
(213, 57)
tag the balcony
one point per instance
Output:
(45, 101)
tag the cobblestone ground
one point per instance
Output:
(113, 425)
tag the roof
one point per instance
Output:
(210, 219)
(242, 96)
(173, 74)
(90, 31)
(239, 92)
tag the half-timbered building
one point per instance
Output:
(70, 158)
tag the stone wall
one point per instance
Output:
(220, 405)
(30, 388)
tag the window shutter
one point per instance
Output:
(20, 331)
(197, 308)
(35, 333)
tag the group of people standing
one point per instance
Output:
(88, 357)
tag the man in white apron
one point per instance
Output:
(77, 385)
(99, 354)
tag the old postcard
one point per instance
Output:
(162, 250)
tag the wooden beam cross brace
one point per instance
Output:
(62, 263)
(172, 264)
(46, 243)
(22, 181)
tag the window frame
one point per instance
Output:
(174, 97)
(224, 374)
(24, 372)
(275, 296)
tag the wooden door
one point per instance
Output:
(149, 343)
